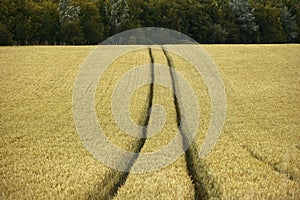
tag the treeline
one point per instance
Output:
(35, 22)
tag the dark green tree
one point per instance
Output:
(49, 32)
(90, 22)
(289, 24)
(117, 13)
(6, 20)
(270, 27)
(245, 20)
(21, 25)
(44, 22)
(70, 27)
(222, 27)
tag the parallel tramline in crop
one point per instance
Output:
(172, 181)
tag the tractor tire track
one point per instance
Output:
(170, 181)
(199, 190)
(123, 177)
(190, 157)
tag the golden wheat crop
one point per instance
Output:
(41, 154)
(138, 102)
(256, 157)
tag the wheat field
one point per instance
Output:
(256, 157)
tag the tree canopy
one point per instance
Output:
(91, 21)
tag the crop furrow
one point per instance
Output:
(273, 166)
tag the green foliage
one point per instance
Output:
(70, 27)
(91, 21)
(117, 13)
(289, 24)
(67, 12)
(245, 19)
(270, 27)
(45, 22)
(6, 21)
(6, 38)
